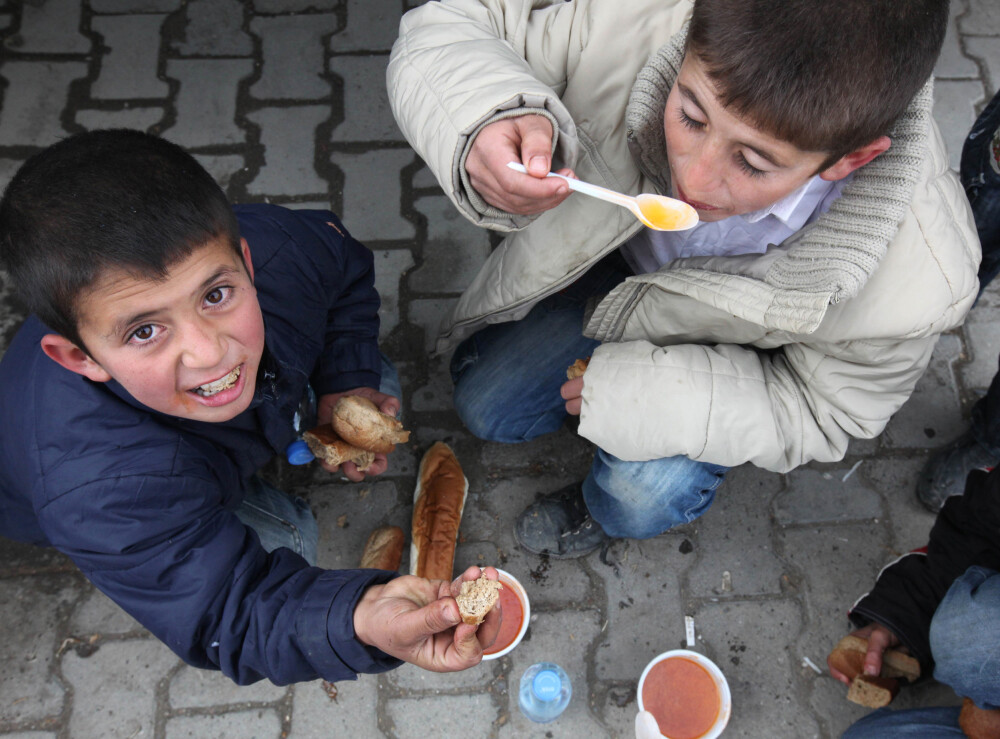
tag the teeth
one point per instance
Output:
(217, 386)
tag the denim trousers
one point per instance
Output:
(965, 644)
(282, 520)
(507, 378)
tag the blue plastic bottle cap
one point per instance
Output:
(298, 453)
(546, 686)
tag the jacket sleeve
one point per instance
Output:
(459, 65)
(728, 404)
(908, 591)
(168, 552)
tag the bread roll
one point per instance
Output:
(577, 368)
(361, 424)
(437, 513)
(476, 599)
(384, 549)
(326, 445)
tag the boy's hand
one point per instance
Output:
(324, 412)
(526, 139)
(572, 393)
(417, 620)
(879, 639)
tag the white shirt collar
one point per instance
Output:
(785, 208)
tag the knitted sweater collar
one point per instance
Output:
(837, 253)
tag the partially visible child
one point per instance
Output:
(943, 604)
(172, 338)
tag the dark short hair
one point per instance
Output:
(825, 75)
(101, 201)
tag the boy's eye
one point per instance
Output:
(143, 334)
(689, 121)
(217, 295)
(748, 168)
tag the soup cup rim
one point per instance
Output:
(725, 697)
(522, 595)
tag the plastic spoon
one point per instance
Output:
(655, 211)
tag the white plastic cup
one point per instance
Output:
(509, 581)
(725, 699)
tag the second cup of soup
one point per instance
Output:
(687, 694)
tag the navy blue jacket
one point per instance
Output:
(143, 502)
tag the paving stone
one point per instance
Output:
(294, 6)
(292, 52)
(371, 194)
(114, 688)
(17, 558)
(135, 6)
(952, 63)
(814, 496)
(423, 178)
(955, 103)
(436, 395)
(984, 342)
(214, 28)
(259, 723)
(206, 101)
(29, 691)
(371, 25)
(909, 522)
(414, 679)
(446, 715)
(563, 451)
(932, 415)
(128, 70)
(192, 687)
(52, 27)
(982, 19)
(986, 50)
(566, 638)
(352, 713)
(222, 168)
(454, 251)
(98, 614)
(390, 266)
(34, 100)
(644, 609)
(141, 119)
(289, 167)
(428, 315)
(734, 537)
(29, 735)
(367, 116)
(762, 670)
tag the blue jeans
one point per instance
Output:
(507, 378)
(281, 520)
(965, 644)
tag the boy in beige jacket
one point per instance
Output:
(835, 245)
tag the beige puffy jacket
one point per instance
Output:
(776, 359)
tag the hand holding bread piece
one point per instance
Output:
(361, 424)
(327, 446)
(477, 598)
(875, 691)
(577, 368)
(437, 513)
(384, 549)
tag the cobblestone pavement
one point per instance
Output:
(284, 101)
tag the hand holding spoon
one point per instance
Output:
(655, 211)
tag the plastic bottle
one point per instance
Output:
(304, 419)
(545, 692)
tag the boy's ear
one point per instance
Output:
(245, 251)
(65, 353)
(857, 158)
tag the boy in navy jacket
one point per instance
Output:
(172, 338)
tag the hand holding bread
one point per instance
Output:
(869, 662)
(358, 430)
(572, 390)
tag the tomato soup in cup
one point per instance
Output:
(516, 613)
(687, 695)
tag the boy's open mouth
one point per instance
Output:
(217, 386)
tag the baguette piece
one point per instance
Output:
(326, 445)
(438, 502)
(476, 599)
(361, 424)
(384, 549)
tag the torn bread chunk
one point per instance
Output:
(477, 598)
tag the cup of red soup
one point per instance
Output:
(687, 695)
(516, 613)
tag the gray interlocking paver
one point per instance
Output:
(206, 101)
(428, 315)
(223, 167)
(140, 118)
(830, 494)
(135, 6)
(214, 28)
(34, 99)
(955, 105)
(372, 25)
(259, 723)
(986, 51)
(294, 6)
(96, 613)
(367, 116)
(453, 251)
(347, 709)
(128, 70)
(443, 715)
(289, 166)
(981, 19)
(292, 56)
(953, 62)
(372, 193)
(50, 28)
(390, 267)
(191, 687)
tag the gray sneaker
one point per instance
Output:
(559, 525)
(945, 472)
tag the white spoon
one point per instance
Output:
(655, 211)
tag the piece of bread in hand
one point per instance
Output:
(849, 658)
(384, 549)
(872, 691)
(361, 424)
(476, 599)
(577, 368)
(327, 446)
(438, 503)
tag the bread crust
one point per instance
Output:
(361, 424)
(327, 445)
(384, 549)
(577, 368)
(438, 503)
